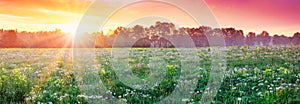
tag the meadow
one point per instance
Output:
(264, 74)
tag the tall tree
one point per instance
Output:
(296, 39)
(250, 39)
(9, 39)
(264, 38)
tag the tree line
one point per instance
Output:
(157, 35)
(42, 39)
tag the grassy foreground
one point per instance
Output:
(253, 75)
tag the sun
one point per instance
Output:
(69, 28)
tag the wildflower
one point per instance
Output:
(259, 94)
(27, 98)
(268, 70)
(184, 100)
(283, 70)
(233, 88)
(170, 66)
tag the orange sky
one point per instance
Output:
(274, 16)
(36, 15)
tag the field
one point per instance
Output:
(266, 74)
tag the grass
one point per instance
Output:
(267, 74)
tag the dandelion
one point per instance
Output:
(170, 67)
(268, 70)
(259, 94)
(184, 100)
(233, 88)
(27, 98)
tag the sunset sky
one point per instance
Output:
(274, 16)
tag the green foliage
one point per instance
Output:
(61, 88)
(253, 75)
(14, 86)
(157, 93)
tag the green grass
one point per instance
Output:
(253, 75)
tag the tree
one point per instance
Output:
(138, 30)
(233, 37)
(264, 38)
(281, 40)
(296, 39)
(250, 39)
(9, 39)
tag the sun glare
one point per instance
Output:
(69, 28)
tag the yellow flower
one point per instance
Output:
(283, 70)
(16, 71)
(248, 55)
(268, 70)
(170, 66)
(200, 54)
(60, 64)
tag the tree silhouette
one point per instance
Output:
(296, 39)
(281, 40)
(153, 36)
(263, 38)
(250, 39)
(9, 39)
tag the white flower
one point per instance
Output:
(233, 88)
(27, 98)
(259, 94)
(184, 100)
